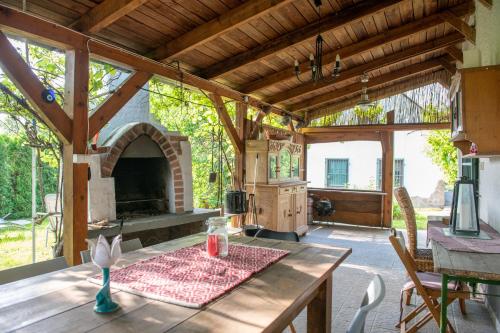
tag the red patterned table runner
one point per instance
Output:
(463, 244)
(189, 277)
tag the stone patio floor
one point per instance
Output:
(372, 253)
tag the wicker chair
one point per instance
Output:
(423, 257)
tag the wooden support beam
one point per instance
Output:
(105, 14)
(232, 19)
(116, 101)
(241, 115)
(375, 128)
(455, 53)
(227, 122)
(415, 51)
(341, 137)
(487, 3)
(257, 123)
(28, 83)
(379, 93)
(449, 67)
(459, 25)
(22, 24)
(374, 82)
(362, 46)
(331, 22)
(75, 173)
(387, 141)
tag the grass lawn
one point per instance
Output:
(421, 223)
(15, 246)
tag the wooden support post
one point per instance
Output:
(76, 174)
(228, 124)
(387, 141)
(241, 115)
(257, 122)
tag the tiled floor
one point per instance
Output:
(372, 253)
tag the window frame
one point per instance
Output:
(346, 160)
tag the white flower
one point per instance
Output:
(102, 254)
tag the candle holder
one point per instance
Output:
(104, 256)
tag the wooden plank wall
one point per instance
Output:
(363, 208)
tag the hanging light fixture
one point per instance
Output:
(316, 60)
(364, 103)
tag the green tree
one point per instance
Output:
(442, 152)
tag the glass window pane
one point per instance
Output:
(337, 172)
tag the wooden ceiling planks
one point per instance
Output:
(156, 23)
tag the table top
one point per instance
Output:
(63, 301)
(484, 266)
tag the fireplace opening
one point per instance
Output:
(142, 179)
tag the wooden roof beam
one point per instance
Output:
(32, 27)
(418, 50)
(455, 53)
(406, 72)
(377, 94)
(365, 45)
(331, 22)
(208, 31)
(105, 14)
(28, 83)
(459, 25)
(376, 128)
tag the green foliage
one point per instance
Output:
(443, 154)
(396, 211)
(15, 178)
(191, 113)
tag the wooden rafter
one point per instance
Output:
(459, 25)
(227, 122)
(341, 137)
(406, 72)
(455, 53)
(377, 94)
(447, 65)
(116, 101)
(418, 50)
(365, 45)
(378, 128)
(28, 83)
(331, 22)
(29, 26)
(232, 19)
(105, 13)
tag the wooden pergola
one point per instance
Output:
(240, 50)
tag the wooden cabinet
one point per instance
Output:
(281, 207)
(475, 108)
(272, 161)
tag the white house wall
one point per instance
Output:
(421, 176)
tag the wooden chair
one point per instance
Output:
(279, 235)
(127, 246)
(428, 286)
(374, 295)
(27, 271)
(422, 257)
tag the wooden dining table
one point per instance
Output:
(471, 266)
(63, 301)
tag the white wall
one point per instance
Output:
(421, 175)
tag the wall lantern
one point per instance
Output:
(464, 210)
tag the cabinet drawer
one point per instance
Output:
(286, 190)
(300, 188)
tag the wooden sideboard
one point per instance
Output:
(281, 207)
(352, 207)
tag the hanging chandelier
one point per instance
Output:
(316, 60)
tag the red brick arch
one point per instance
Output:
(167, 147)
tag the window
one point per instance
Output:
(399, 173)
(337, 172)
